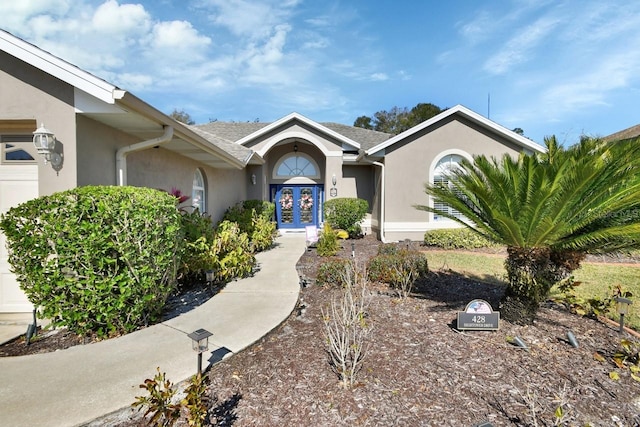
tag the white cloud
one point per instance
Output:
(477, 30)
(178, 36)
(592, 88)
(133, 81)
(251, 18)
(520, 47)
(17, 13)
(377, 77)
(110, 17)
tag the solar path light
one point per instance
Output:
(622, 305)
(200, 344)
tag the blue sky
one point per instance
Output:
(550, 67)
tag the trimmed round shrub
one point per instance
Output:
(388, 267)
(346, 213)
(334, 272)
(99, 260)
(456, 238)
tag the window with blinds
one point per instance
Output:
(441, 177)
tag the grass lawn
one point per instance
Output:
(597, 280)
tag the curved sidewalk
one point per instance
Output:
(75, 386)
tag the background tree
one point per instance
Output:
(398, 120)
(549, 210)
(182, 116)
(363, 122)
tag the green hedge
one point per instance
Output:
(98, 260)
(346, 214)
(456, 238)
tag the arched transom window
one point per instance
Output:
(441, 176)
(199, 192)
(296, 164)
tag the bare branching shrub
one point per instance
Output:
(405, 275)
(347, 332)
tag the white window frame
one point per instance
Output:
(22, 142)
(199, 191)
(304, 156)
(434, 171)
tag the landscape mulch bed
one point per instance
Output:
(420, 370)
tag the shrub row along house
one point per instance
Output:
(104, 135)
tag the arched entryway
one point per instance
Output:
(299, 197)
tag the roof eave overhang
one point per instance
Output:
(520, 140)
(298, 117)
(130, 102)
(57, 67)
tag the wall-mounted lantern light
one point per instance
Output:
(45, 142)
(295, 148)
(253, 178)
(200, 344)
(334, 180)
(622, 305)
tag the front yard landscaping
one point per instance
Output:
(419, 370)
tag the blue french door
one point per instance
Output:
(297, 205)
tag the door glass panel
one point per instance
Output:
(286, 205)
(306, 203)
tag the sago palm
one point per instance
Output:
(549, 210)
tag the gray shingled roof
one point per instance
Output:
(628, 133)
(365, 137)
(234, 131)
(238, 151)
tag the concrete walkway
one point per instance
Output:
(75, 386)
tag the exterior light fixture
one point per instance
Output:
(253, 178)
(209, 276)
(200, 344)
(353, 250)
(622, 305)
(333, 179)
(295, 148)
(45, 142)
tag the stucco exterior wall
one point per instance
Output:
(409, 164)
(163, 169)
(97, 146)
(29, 93)
(358, 181)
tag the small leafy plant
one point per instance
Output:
(628, 357)
(328, 243)
(254, 217)
(158, 401)
(195, 401)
